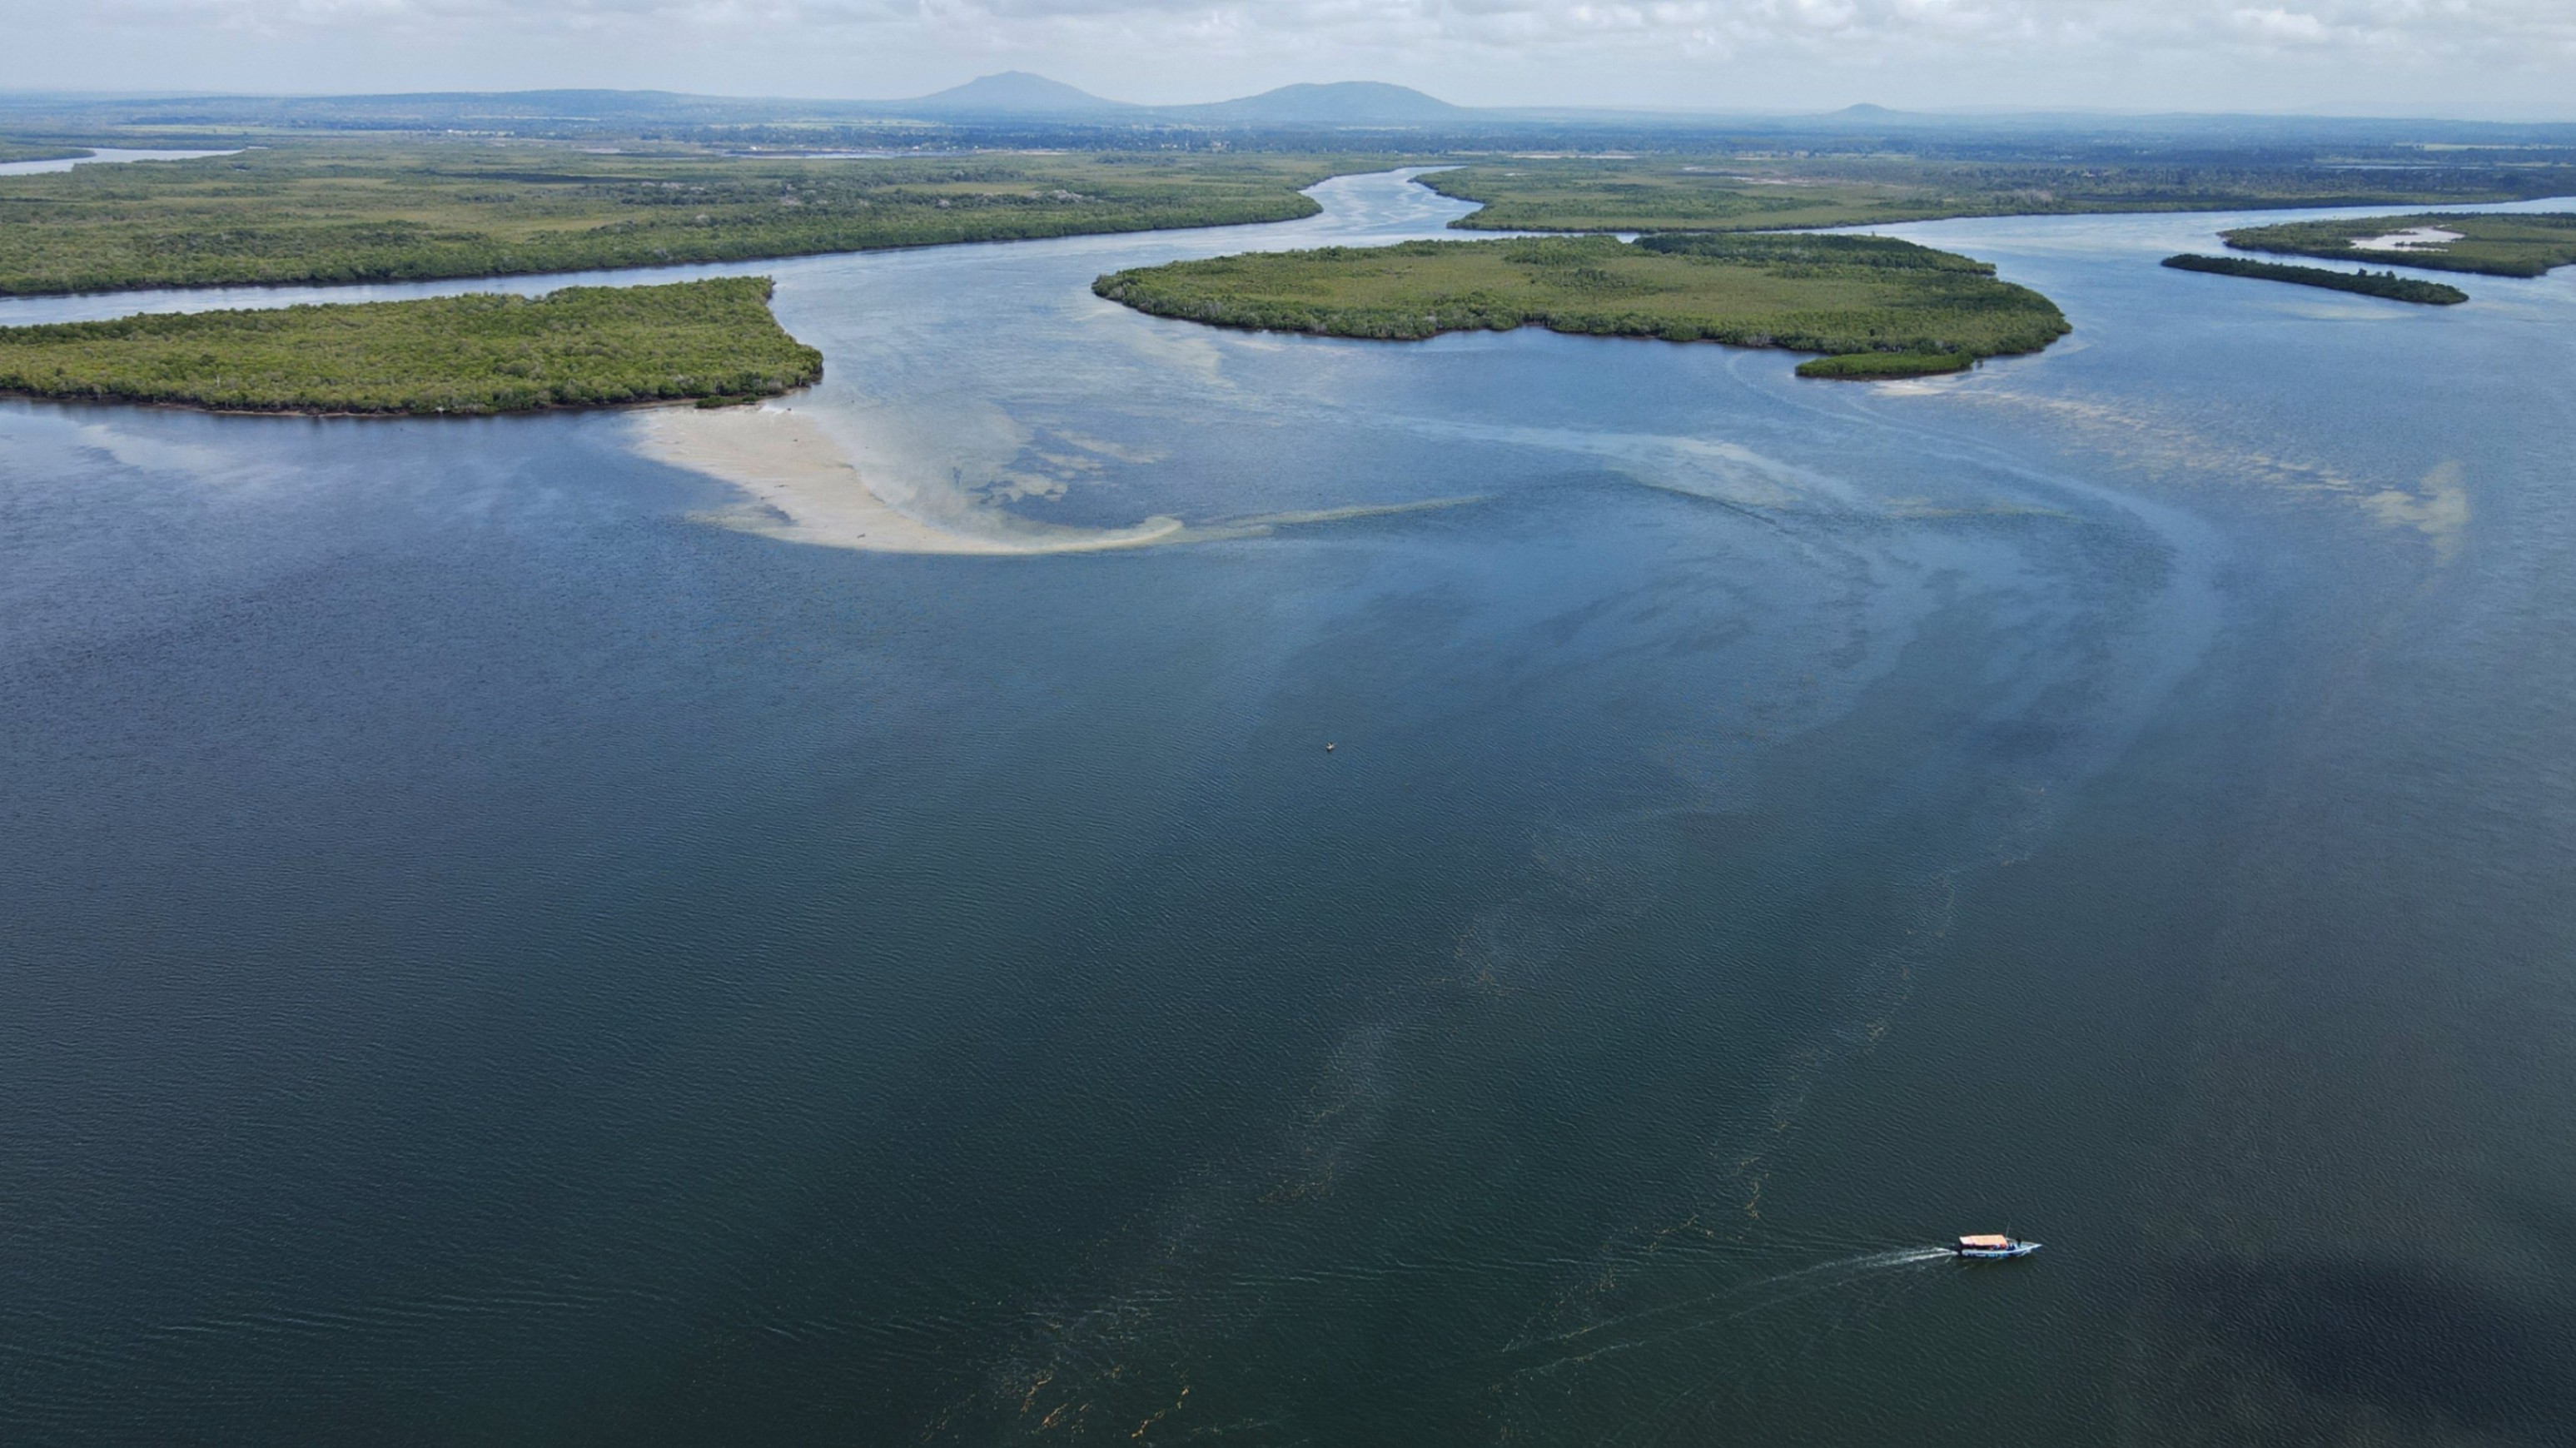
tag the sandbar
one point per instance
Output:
(802, 486)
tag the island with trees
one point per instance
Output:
(331, 190)
(2386, 284)
(358, 210)
(465, 355)
(2497, 243)
(1819, 185)
(1878, 307)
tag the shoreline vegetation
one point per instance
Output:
(2504, 244)
(427, 210)
(404, 206)
(1877, 306)
(707, 341)
(1735, 192)
(2372, 284)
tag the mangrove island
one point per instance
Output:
(2497, 243)
(1878, 306)
(2370, 284)
(480, 353)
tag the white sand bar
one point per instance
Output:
(803, 487)
(2417, 238)
(800, 484)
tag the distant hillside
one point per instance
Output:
(1013, 93)
(1344, 103)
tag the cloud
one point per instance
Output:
(2281, 25)
(1954, 52)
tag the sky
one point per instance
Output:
(2501, 59)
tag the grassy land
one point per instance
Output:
(1834, 294)
(579, 347)
(2498, 245)
(415, 209)
(31, 151)
(2371, 284)
(1763, 193)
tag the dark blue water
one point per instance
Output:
(488, 957)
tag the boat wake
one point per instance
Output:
(1828, 1297)
(1664, 1321)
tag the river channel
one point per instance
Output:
(495, 955)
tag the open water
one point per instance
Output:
(102, 155)
(487, 957)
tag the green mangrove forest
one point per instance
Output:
(351, 211)
(481, 353)
(2370, 284)
(2504, 244)
(1739, 191)
(1878, 306)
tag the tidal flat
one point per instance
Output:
(495, 944)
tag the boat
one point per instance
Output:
(1993, 1246)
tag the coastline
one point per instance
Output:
(378, 414)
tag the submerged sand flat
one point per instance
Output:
(804, 488)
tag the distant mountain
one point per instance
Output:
(1343, 103)
(1013, 93)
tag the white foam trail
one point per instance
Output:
(1831, 1273)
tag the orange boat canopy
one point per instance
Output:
(1993, 1241)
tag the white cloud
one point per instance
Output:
(2420, 54)
(2281, 25)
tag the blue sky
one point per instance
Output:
(2484, 58)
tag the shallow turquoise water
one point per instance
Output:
(492, 959)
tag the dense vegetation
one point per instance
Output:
(1833, 294)
(579, 347)
(350, 212)
(2372, 284)
(2498, 244)
(1764, 192)
(397, 204)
